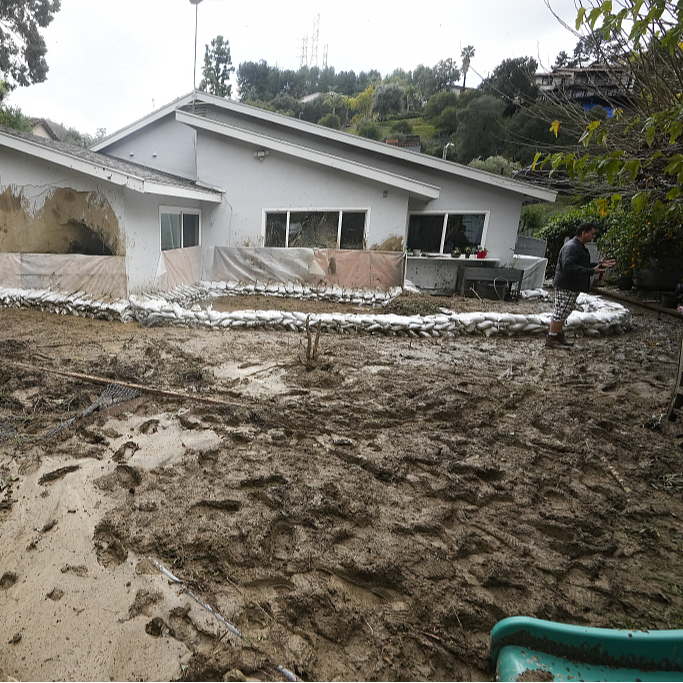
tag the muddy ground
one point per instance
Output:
(367, 516)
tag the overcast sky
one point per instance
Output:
(112, 63)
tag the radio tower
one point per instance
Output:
(314, 40)
(304, 52)
(325, 57)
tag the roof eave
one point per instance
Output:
(103, 172)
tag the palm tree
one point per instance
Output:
(466, 53)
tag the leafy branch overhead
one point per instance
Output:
(639, 148)
(22, 48)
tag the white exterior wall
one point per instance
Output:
(465, 196)
(165, 145)
(282, 182)
(143, 237)
(458, 194)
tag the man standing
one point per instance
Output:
(572, 276)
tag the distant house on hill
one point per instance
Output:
(43, 129)
(606, 85)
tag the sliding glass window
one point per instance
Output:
(315, 229)
(440, 233)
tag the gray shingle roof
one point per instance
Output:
(109, 162)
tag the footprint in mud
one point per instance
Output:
(124, 476)
(8, 580)
(125, 452)
(144, 602)
(110, 551)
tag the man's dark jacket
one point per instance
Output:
(574, 268)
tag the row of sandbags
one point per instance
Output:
(180, 307)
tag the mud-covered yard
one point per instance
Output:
(366, 516)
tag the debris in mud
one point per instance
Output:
(57, 474)
(55, 594)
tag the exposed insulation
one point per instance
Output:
(68, 222)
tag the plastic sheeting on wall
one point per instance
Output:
(177, 267)
(103, 276)
(346, 268)
(534, 270)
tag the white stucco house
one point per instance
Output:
(209, 188)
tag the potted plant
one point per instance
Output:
(481, 252)
(456, 253)
(468, 252)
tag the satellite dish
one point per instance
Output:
(195, 2)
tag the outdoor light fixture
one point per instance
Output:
(262, 154)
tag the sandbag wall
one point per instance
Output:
(180, 307)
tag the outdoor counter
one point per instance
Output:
(438, 274)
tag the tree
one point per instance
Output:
(388, 99)
(480, 132)
(437, 103)
(252, 81)
(513, 80)
(446, 74)
(466, 54)
(362, 103)
(22, 48)
(639, 150)
(217, 68)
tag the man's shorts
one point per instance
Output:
(565, 301)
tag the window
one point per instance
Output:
(315, 229)
(441, 233)
(179, 228)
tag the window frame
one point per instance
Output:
(444, 226)
(181, 211)
(291, 211)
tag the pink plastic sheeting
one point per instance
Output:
(100, 276)
(182, 266)
(346, 268)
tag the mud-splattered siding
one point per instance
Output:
(393, 243)
(69, 222)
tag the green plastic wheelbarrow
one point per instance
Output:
(549, 651)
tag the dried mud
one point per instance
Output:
(368, 516)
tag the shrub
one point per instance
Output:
(635, 238)
(330, 121)
(562, 226)
(368, 129)
(496, 164)
(402, 127)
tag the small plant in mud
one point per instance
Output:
(311, 349)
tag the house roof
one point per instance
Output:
(414, 187)
(117, 171)
(355, 141)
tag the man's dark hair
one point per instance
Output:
(585, 227)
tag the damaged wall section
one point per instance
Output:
(68, 222)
